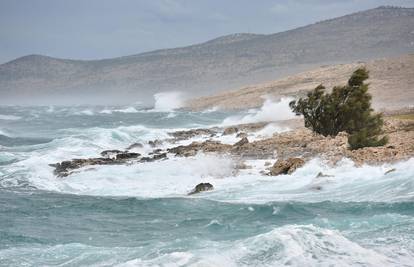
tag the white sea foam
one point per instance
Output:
(87, 112)
(270, 111)
(210, 110)
(290, 245)
(9, 117)
(168, 101)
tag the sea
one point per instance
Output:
(141, 215)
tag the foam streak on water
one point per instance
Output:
(140, 215)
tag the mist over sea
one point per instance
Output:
(140, 215)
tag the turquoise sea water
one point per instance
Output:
(140, 215)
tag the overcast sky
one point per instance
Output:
(93, 29)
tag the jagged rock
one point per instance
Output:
(194, 147)
(201, 188)
(156, 151)
(135, 145)
(108, 153)
(321, 174)
(316, 187)
(241, 135)
(286, 166)
(155, 143)
(242, 166)
(242, 142)
(391, 170)
(66, 167)
(183, 135)
(127, 155)
(160, 156)
(230, 130)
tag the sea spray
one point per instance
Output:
(269, 111)
(168, 101)
(140, 214)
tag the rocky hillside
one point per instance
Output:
(227, 62)
(391, 84)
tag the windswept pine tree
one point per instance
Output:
(347, 108)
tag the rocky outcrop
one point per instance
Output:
(135, 145)
(185, 135)
(242, 142)
(286, 166)
(230, 130)
(201, 188)
(193, 148)
(155, 143)
(296, 146)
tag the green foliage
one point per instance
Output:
(346, 108)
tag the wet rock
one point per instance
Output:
(156, 151)
(127, 155)
(160, 156)
(108, 153)
(316, 187)
(267, 163)
(155, 143)
(135, 145)
(286, 166)
(241, 135)
(193, 148)
(201, 188)
(66, 167)
(389, 171)
(321, 174)
(242, 142)
(230, 130)
(184, 135)
(242, 166)
(146, 159)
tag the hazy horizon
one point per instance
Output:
(105, 29)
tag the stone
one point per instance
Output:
(242, 142)
(201, 188)
(108, 153)
(321, 174)
(155, 143)
(127, 155)
(135, 145)
(242, 166)
(160, 156)
(184, 135)
(230, 130)
(286, 166)
(241, 135)
(390, 170)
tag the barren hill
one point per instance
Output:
(391, 84)
(226, 62)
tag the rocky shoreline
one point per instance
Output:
(291, 149)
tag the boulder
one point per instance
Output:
(201, 188)
(135, 145)
(230, 130)
(155, 143)
(286, 166)
(241, 135)
(243, 141)
(160, 156)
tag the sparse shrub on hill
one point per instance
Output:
(347, 108)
